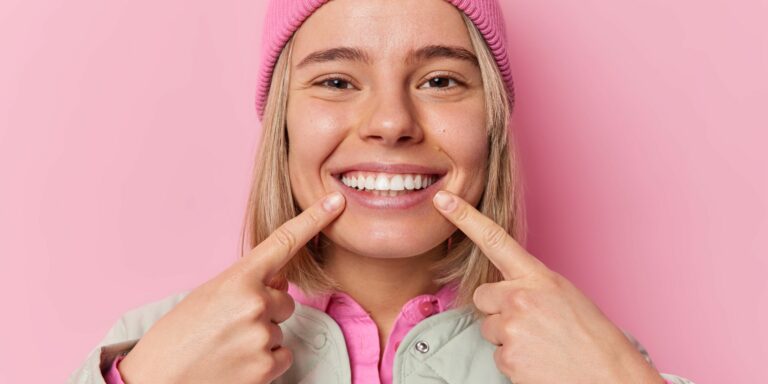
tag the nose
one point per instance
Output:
(392, 120)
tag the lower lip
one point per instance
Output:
(405, 201)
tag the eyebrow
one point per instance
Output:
(356, 54)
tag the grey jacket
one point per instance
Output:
(444, 348)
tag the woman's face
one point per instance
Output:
(386, 105)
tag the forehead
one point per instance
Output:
(387, 29)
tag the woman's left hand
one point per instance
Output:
(546, 330)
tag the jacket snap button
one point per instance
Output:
(319, 340)
(422, 346)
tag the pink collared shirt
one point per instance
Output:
(362, 335)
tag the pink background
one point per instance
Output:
(127, 133)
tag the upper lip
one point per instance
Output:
(389, 168)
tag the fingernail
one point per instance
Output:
(333, 202)
(444, 201)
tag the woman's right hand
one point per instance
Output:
(226, 330)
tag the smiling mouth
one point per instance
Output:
(387, 184)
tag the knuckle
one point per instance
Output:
(509, 330)
(476, 296)
(507, 357)
(268, 364)
(493, 236)
(261, 336)
(285, 238)
(505, 360)
(290, 306)
(258, 305)
(479, 293)
(521, 299)
(311, 218)
(462, 214)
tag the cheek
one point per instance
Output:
(313, 134)
(471, 157)
(313, 120)
(463, 139)
(468, 150)
(459, 129)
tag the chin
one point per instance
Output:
(391, 237)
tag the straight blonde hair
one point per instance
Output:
(271, 203)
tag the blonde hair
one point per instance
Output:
(271, 202)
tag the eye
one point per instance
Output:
(442, 82)
(335, 83)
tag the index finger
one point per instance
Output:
(504, 252)
(275, 251)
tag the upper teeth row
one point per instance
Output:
(388, 182)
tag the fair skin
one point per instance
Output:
(343, 112)
(394, 109)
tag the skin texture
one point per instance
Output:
(386, 111)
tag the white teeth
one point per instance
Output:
(409, 182)
(387, 182)
(396, 184)
(382, 183)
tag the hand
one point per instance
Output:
(546, 330)
(226, 330)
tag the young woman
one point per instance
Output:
(384, 225)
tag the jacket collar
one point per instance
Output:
(455, 353)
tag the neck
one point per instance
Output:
(382, 286)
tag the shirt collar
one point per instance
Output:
(445, 297)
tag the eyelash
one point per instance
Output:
(439, 76)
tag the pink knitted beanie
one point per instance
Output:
(284, 17)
